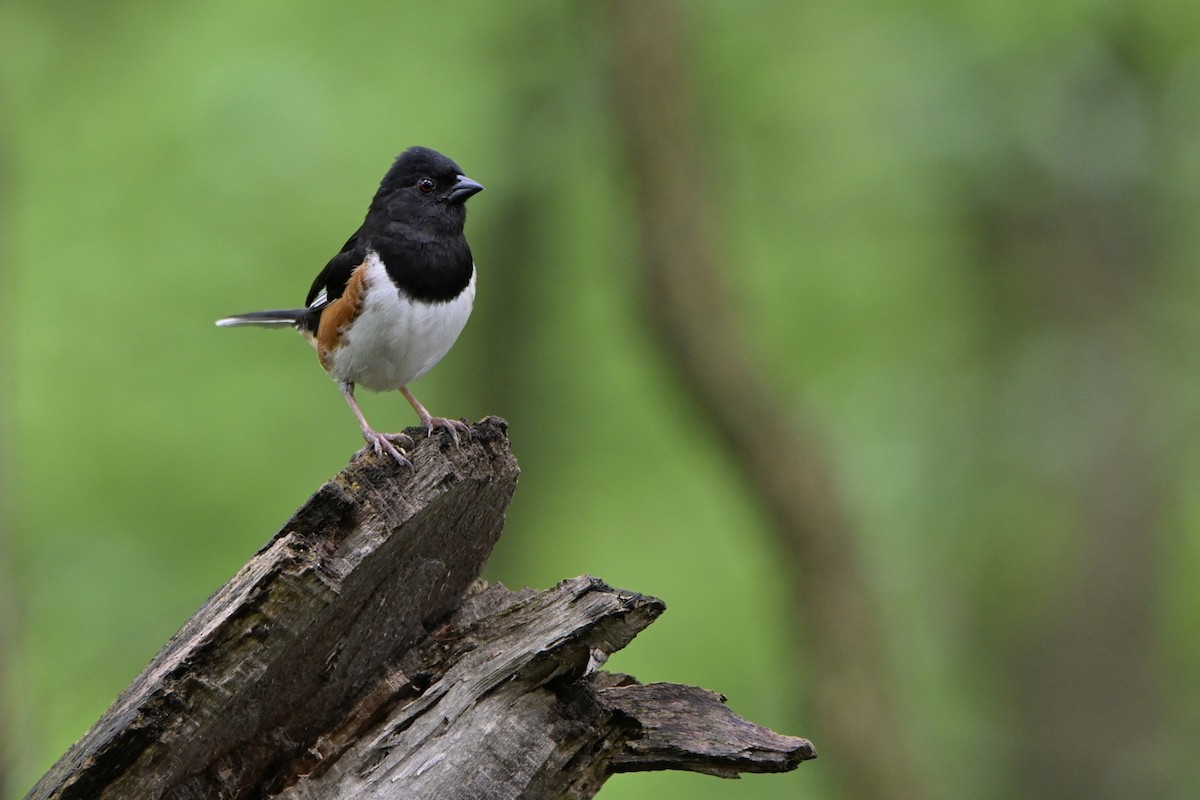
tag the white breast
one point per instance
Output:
(396, 340)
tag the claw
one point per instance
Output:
(381, 443)
(402, 439)
(451, 426)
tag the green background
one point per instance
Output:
(963, 238)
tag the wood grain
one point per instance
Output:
(356, 655)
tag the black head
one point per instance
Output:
(424, 190)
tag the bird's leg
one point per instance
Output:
(379, 442)
(453, 426)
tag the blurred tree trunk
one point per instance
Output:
(1067, 254)
(513, 309)
(833, 609)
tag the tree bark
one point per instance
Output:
(357, 655)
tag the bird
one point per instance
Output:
(393, 301)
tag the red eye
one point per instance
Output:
(426, 185)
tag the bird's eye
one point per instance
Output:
(426, 185)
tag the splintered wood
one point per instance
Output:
(357, 655)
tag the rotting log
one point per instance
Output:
(359, 655)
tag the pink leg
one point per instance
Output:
(379, 442)
(453, 426)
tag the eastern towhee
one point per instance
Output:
(391, 304)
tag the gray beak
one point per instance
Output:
(463, 188)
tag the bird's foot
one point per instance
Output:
(452, 426)
(385, 443)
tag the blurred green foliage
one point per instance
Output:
(882, 174)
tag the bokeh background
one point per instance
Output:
(957, 242)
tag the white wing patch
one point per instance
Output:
(321, 299)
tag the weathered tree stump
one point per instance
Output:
(358, 655)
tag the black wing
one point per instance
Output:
(332, 281)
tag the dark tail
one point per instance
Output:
(265, 319)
